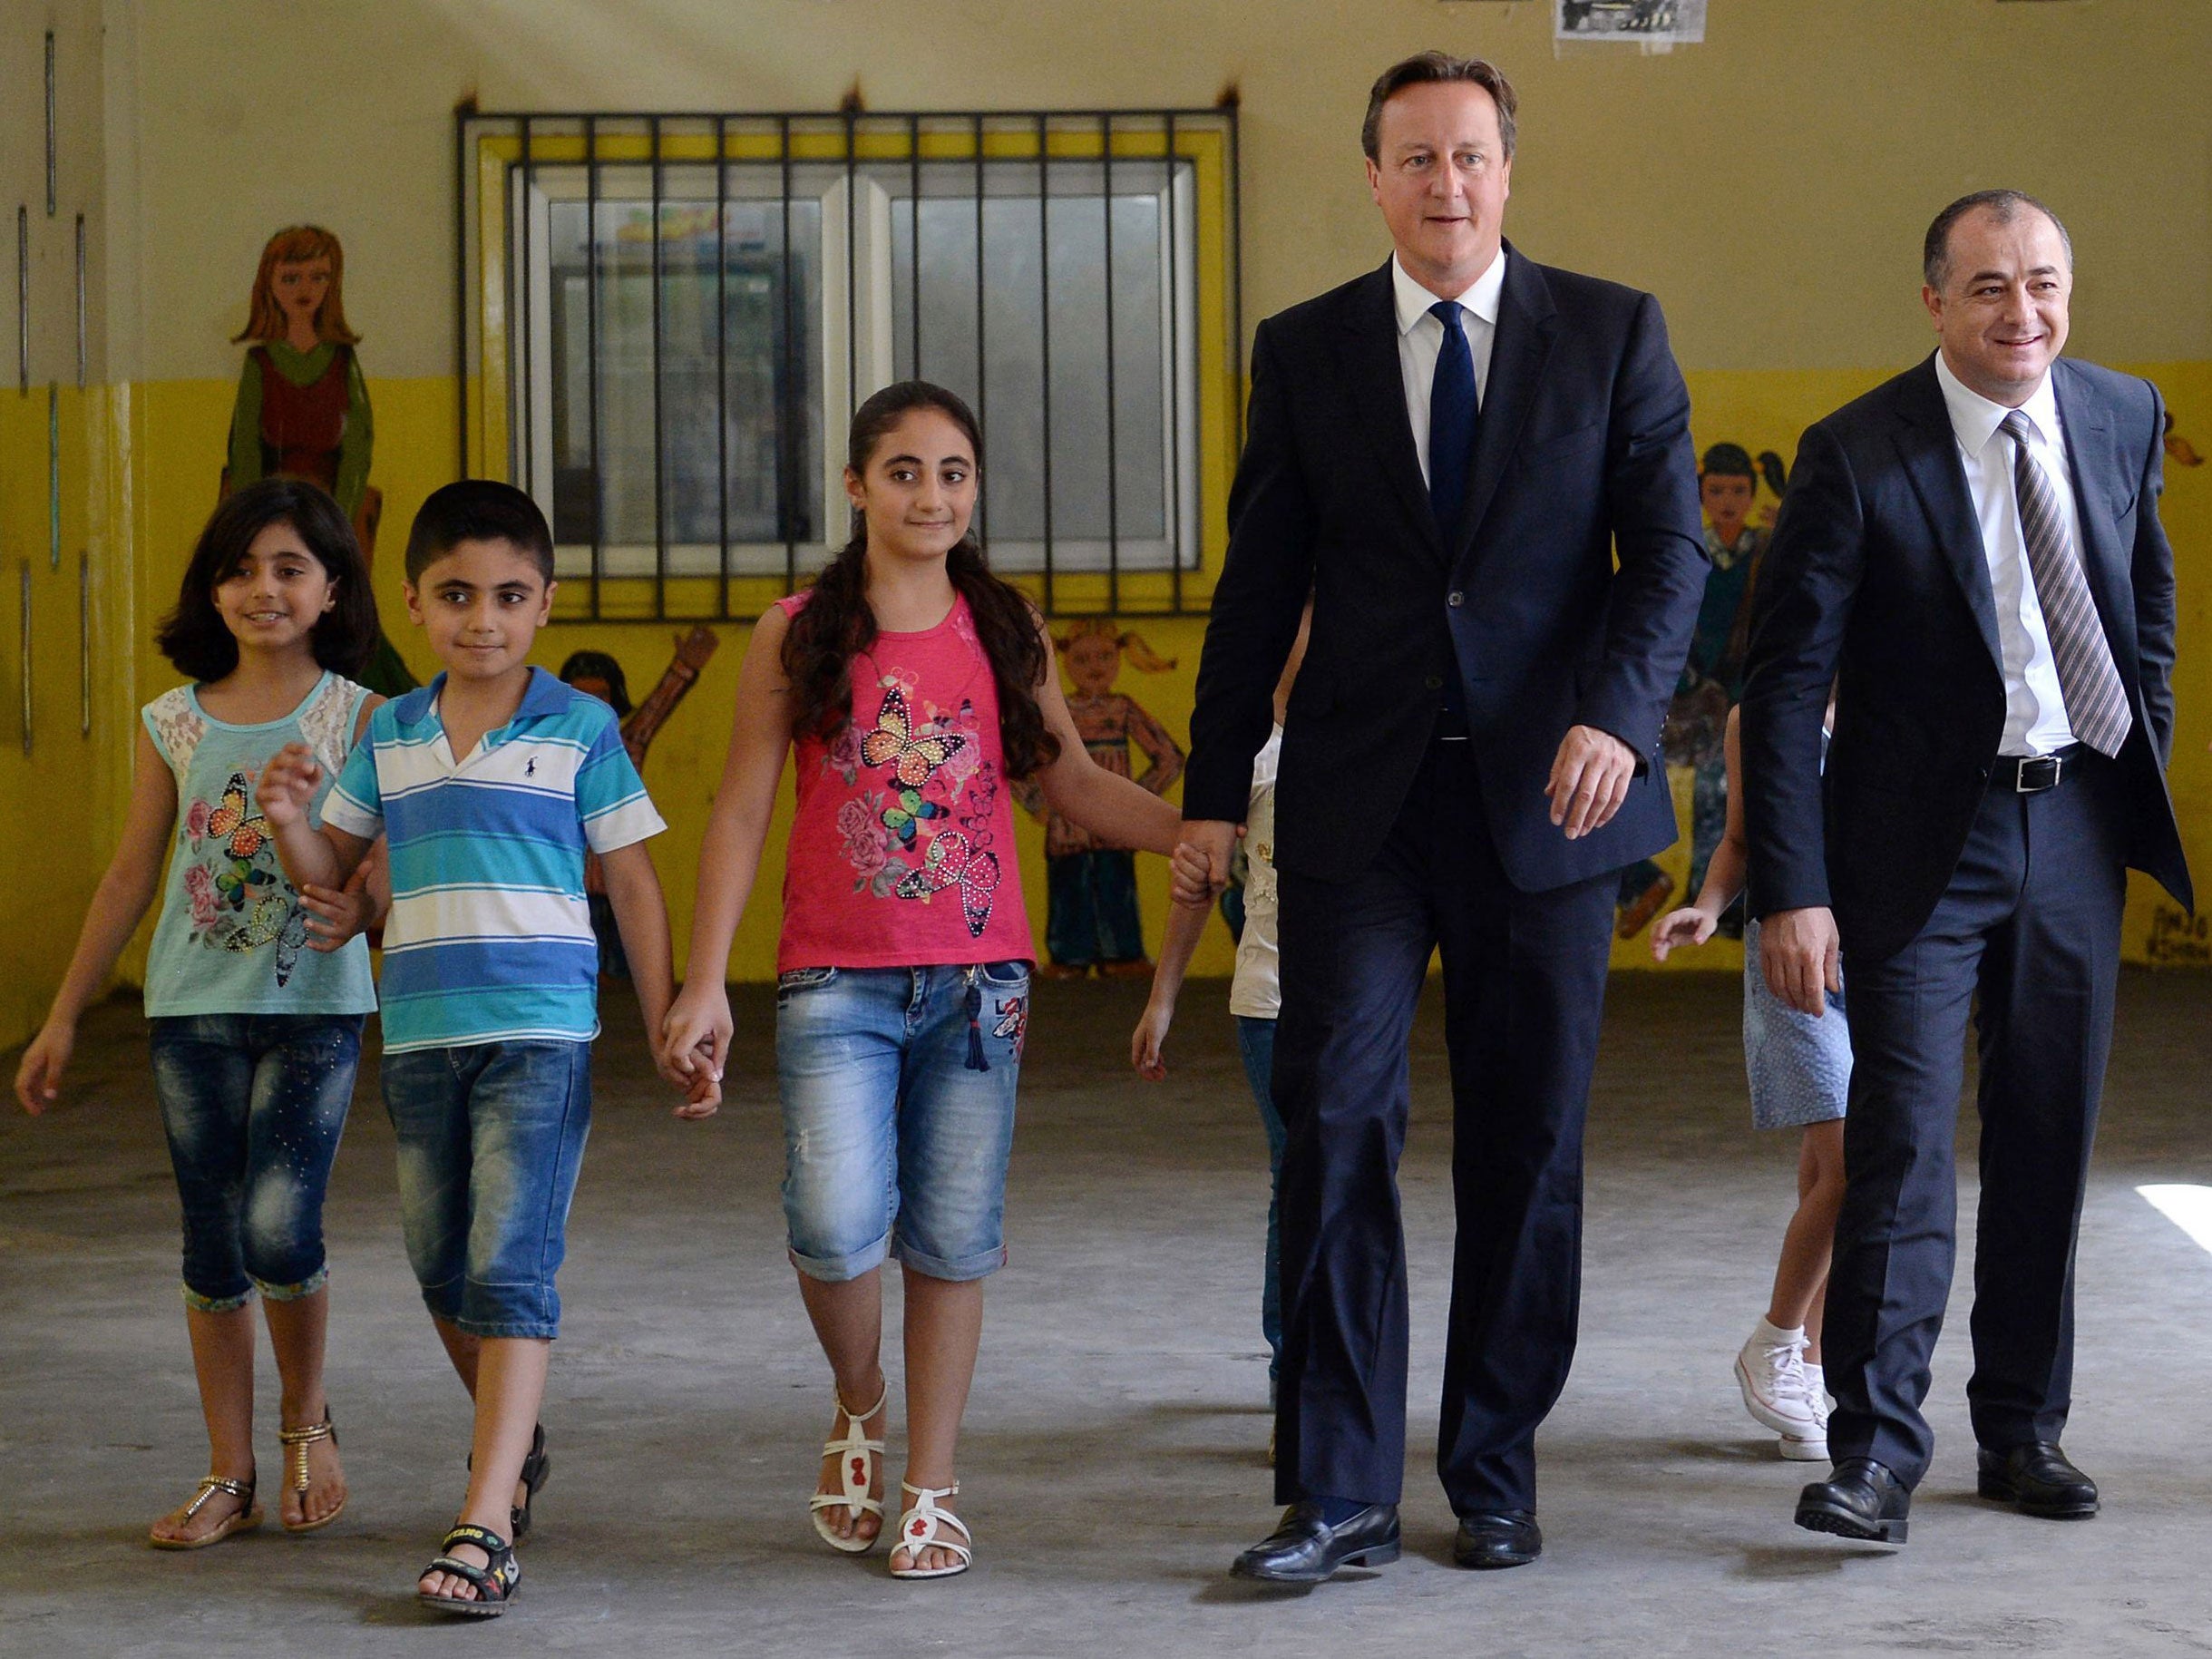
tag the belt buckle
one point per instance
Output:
(2037, 774)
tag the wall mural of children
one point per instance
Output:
(597, 674)
(1712, 678)
(302, 409)
(1091, 917)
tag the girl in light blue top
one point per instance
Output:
(255, 993)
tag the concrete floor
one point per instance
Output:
(1113, 1463)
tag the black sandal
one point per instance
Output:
(536, 1467)
(496, 1585)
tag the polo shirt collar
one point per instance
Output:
(545, 695)
(1481, 297)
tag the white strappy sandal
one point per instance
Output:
(856, 1457)
(922, 1526)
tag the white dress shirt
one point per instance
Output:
(2035, 720)
(1420, 337)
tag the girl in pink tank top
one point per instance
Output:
(910, 686)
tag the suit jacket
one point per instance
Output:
(1584, 446)
(1876, 575)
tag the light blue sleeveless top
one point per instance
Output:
(232, 938)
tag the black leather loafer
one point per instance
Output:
(1862, 1499)
(1305, 1549)
(1497, 1537)
(2036, 1479)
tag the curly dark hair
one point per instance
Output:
(836, 625)
(193, 636)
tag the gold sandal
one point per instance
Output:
(245, 1519)
(296, 1442)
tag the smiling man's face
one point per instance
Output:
(2001, 312)
(1441, 177)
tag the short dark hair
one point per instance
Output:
(603, 668)
(478, 510)
(192, 636)
(2004, 206)
(1728, 461)
(1425, 66)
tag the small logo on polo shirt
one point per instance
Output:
(530, 767)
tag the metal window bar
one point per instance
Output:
(1059, 162)
(24, 619)
(53, 474)
(85, 644)
(22, 300)
(84, 353)
(53, 135)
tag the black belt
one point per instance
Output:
(2033, 774)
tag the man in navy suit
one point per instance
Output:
(1448, 453)
(1972, 554)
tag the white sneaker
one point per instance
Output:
(1770, 1370)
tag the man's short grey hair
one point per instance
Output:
(1424, 67)
(2004, 206)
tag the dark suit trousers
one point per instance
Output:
(2030, 926)
(1523, 986)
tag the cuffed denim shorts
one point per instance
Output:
(898, 1090)
(253, 1106)
(491, 1139)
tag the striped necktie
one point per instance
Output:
(2096, 701)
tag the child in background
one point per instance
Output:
(1800, 1075)
(1091, 917)
(255, 1043)
(597, 674)
(489, 784)
(913, 685)
(1254, 994)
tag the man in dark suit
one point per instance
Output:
(1446, 453)
(1974, 549)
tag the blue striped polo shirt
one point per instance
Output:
(489, 937)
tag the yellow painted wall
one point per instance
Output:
(1770, 186)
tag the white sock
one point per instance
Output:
(1773, 1336)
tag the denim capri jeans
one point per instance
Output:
(898, 1092)
(253, 1106)
(491, 1140)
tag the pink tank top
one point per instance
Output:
(903, 847)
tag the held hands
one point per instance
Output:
(335, 916)
(38, 1079)
(286, 785)
(693, 1045)
(1590, 779)
(1201, 862)
(1687, 926)
(1800, 954)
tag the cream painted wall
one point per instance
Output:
(1771, 185)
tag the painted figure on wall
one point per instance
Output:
(1091, 918)
(598, 673)
(302, 409)
(1712, 678)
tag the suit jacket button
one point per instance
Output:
(1435, 682)
(1456, 599)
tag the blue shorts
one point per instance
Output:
(253, 1106)
(491, 1139)
(898, 1089)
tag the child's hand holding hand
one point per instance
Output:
(1688, 926)
(703, 1098)
(38, 1081)
(695, 1042)
(1149, 1038)
(287, 784)
(335, 916)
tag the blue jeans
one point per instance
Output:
(898, 1090)
(1090, 914)
(1255, 1038)
(491, 1139)
(253, 1106)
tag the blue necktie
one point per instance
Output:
(1453, 415)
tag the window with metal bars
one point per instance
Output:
(666, 320)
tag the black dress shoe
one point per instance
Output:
(1497, 1537)
(2036, 1479)
(1306, 1550)
(1861, 1499)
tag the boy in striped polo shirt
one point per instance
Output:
(489, 784)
